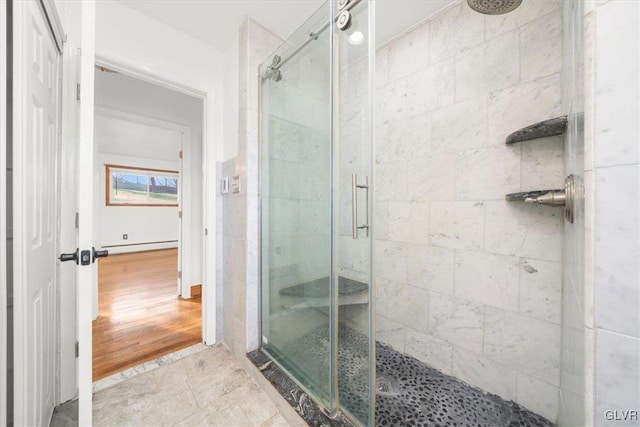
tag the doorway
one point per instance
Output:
(148, 209)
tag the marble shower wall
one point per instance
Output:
(240, 210)
(465, 281)
(612, 212)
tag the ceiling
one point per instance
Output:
(128, 94)
(216, 22)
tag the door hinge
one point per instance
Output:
(78, 91)
(206, 231)
(180, 153)
(180, 214)
(179, 274)
(77, 220)
(77, 349)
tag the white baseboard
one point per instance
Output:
(124, 249)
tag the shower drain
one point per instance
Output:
(384, 386)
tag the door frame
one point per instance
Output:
(211, 117)
(52, 19)
(3, 212)
(85, 275)
(209, 196)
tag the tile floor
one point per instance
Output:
(207, 388)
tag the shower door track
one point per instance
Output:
(312, 36)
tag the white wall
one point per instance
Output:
(4, 173)
(123, 142)
(612, 211)
(231, 80)
(163, 51)
(143, 225)
(144, 46)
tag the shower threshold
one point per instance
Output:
(408, 391)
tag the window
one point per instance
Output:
(131, 186)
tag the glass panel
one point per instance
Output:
(131, 186)
(572, 337)
(353, 203)
(296, 209)
(128, 188)
(163, 190)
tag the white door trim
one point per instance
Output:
(181, 211)
(134, 70)
(3, 214)
(209, 193)
(67, 330)
(86, 274)
(55, 25)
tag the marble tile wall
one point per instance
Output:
(612, 212)
(465, 281)
(240, 210)
(482, 276)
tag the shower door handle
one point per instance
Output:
(354, 205)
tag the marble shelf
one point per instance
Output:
(544, 129)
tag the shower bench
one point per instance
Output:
(316, 293)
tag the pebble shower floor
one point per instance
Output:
(409, 392)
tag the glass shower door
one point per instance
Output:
(316, 208)
(296, 208)
(353, 67)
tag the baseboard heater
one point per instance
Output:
(139, 244)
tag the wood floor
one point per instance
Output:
(140, 316)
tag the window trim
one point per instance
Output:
(108, 167)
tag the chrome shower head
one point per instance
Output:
(494, 7)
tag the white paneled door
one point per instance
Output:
(35, 154)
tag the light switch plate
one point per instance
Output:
(225, 185)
